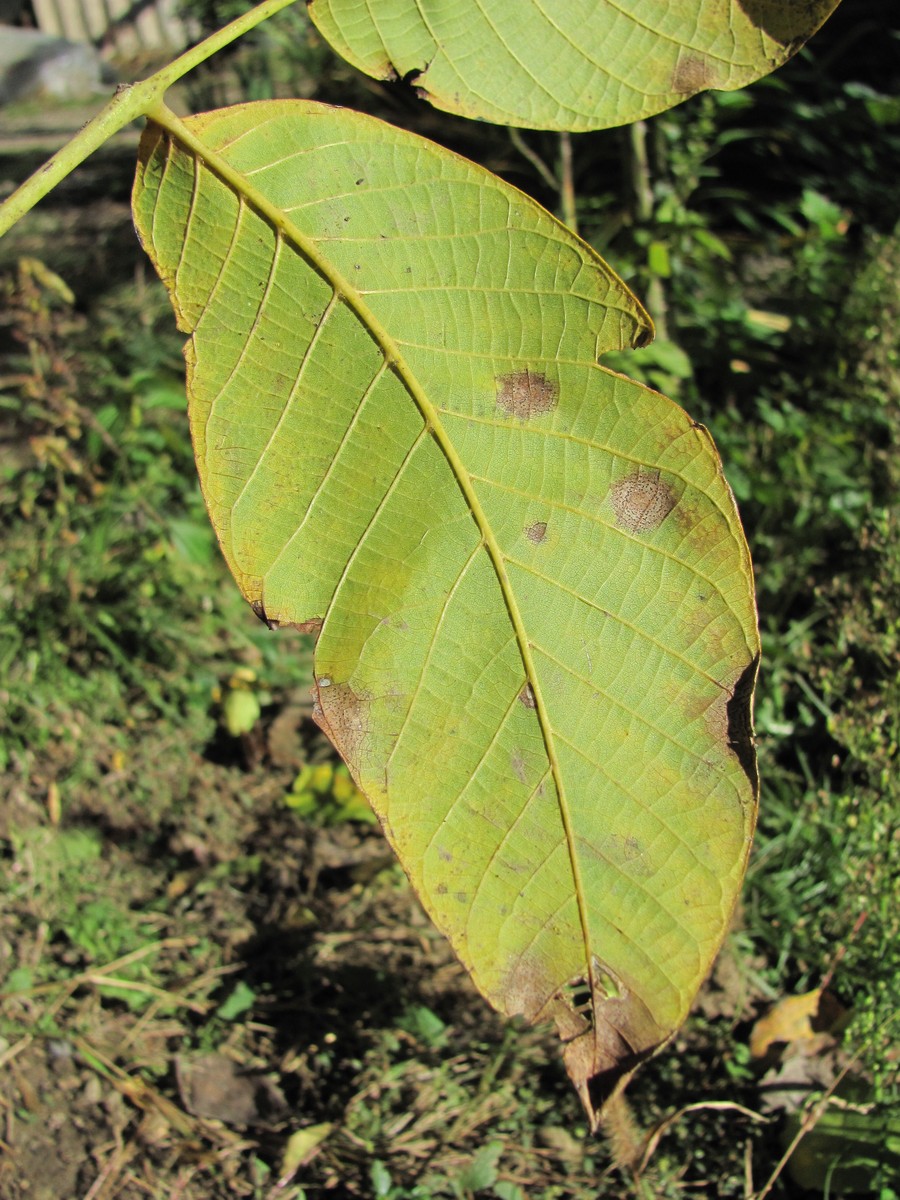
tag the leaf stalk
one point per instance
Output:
(131, 102)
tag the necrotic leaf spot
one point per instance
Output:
(693, 74)
(641, 501)
(526, 394)
(536, 532)
(343, 715)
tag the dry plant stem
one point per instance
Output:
(534, 158)
(567, 182)
(8, 1055)
(653, 1138)
(130, 103)
(748, 1169)
(135, 1089)
(809, 1122)
(110, 1172)
(110, 967)
(623, 1134)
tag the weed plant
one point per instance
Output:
(115, 606)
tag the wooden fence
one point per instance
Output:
(126, 27)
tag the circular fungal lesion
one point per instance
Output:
(526, 394)
(536, 532)
(641, 501)
(693, 74)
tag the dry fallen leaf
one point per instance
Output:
(215, 1087)
(795, 1018)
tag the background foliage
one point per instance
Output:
(764, 224)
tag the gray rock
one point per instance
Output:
(36, 66)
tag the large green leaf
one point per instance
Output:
(534, 605)
(567, 64)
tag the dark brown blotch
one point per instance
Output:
(526, 697)
(729, 718)
(789, 24)
(526, 394)
(536, 532)
(641, 501)
(693, 74)
(312, 626)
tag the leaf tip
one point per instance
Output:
(606, 1030)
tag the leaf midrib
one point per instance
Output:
(343, 290)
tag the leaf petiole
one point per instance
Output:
(130, 103)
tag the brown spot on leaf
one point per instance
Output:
(693, 74)
(313, 625)
(526, 697)
(599, 1063)
(641, 501)
(526, 394)
(699, 521)
(517, 762)
(536, 532)
(343, 716)
(527, 989)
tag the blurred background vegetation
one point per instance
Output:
(189, 885)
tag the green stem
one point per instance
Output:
(640, 172)
(567, 182)
(130, 103)
(643, 210)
